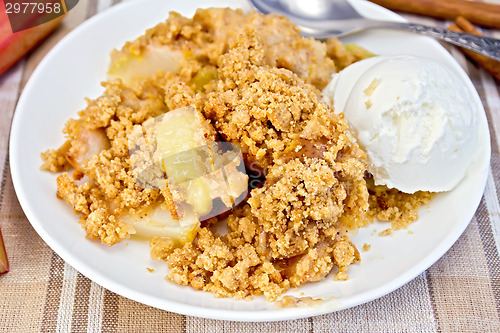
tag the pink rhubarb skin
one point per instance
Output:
(13, 46)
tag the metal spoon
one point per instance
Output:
(337, 18)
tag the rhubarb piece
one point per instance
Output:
(133, 64)
(13, 46)
(4, 262)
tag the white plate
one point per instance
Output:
(73, 70)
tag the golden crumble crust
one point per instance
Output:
(211, 32)
(254, 81)
(261, 107)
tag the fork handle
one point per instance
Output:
(487, 46)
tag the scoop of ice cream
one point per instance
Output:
(414, 118)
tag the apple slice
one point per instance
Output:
(158, 222)
(4, 262)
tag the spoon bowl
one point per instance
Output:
(338, 18)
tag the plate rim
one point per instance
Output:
(187, 309)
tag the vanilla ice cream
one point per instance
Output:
(414, 117)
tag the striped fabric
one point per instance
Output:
(460, 293)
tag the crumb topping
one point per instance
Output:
(255, 82)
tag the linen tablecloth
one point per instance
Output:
(42, 293)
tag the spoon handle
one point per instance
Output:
(487, 46)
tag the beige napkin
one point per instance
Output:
(460, 293)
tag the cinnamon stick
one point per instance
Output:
(479, 13)
(461, 24)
